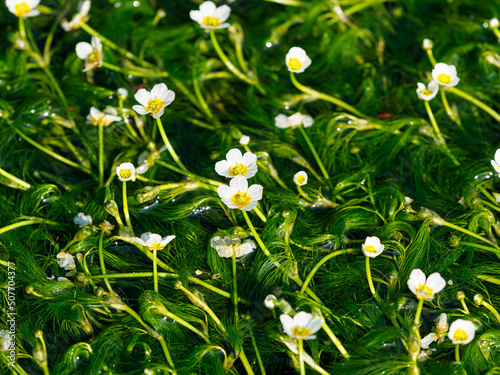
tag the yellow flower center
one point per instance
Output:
(211, 21)
(444, 78)
(100, 120)
(370, 249)
(155, 106)
(21, 9)
(424, 289)
(156, 246)
(294, 64)
(241, 199)
(301, 179)
(125, 173)
(238, 169)
(459, 335)
(426, 92)
(93, 59)
(300, 331)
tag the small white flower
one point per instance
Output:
(239, 196)
(438, 335)
(496, 196)
(283, 122)
(105, 118)
(6, 342)
(496, 162)
(91, 53)
(427, 44)
(408, 201)
(82, 220)
(445, 75)
(62, 279)
(244, 140)
(424, 354)
(211, 17)
(300, 178)
(23, 8)
(297, 60)
(66, 261)
(494, 23)
(122, 93)
(270, 301)
(126, 172)
(78, 18)
(153, 241)
(425, 288)
(153, 102)
(237, 164)
(461, 332)
(372, 247)
(429, 92)
(226, 247)
(302, 326)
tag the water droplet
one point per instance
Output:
(269, 44)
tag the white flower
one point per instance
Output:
(427, 44)
(461, 331)
(66, 261)
(226, 247)
(372, 247)
(122, 93)
(302, 326)
(105, 118)
(408, 201)
(239, 196)
(300, 178)
(496, 196)
(297, 60)
(244, 140)
(438, 335)
(126, 172)
(425, 288)
(429, 92)
(23, 8)
(153, 102)
(445, 75)
(91, 53)
(283, 121)
(62, 279)
(494, 23)
(496, 162)
(6, 341)
(82, 220)
(270, 301)
(237, 164)
(211, 17)
(153, 241)
(78, 18)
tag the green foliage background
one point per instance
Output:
(373, 62)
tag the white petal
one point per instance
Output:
(222, 168)
(208, 8)
(167, 239)
(252, 170)
(168, 97)
(234, 156)
(84, 9)
(222, 13)
(159, 114)
(239, 183)
(255, 191)
(143, 96)
(281, 121)
(416, 277)
(224, 192)
(96, 43)
(427, 340)
(287, 322)
(315, 325)
(196, 16)
(435, 282)
(302, 319)
(139, 241)
(158, 90)
(140, 109)
(151, 239)
(497, 156)
(32, 13)
(83, 49)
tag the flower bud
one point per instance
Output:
(494, 23)
(244, 140)
(83, 234)
(427, 44)
(122, 93)
(460, 295)
(478, 299)
(270, 301)
(111, 207)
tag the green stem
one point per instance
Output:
(201, 100)
(457, 352)
(447, 108)
(125, 206)
(27, 222)
(200, 303)
(430, 55)
(418, 313)
(169, 146)
(369, 277)
(335, 340)
(260, 214)
(492, 310)
(257, 353)
(475, 101)
(101, 261)
(487, 194)
(255, 234)
(132, 131)
(188, 174)
(232, 67)
(235, 290)
(496, 31)
(314, 152)
(328, 98)
(101, 153)
(301, 357)
(132, 275)
(485, 248)
(21, 184)
(468, 232)
(319, 264)
(137, 73)
(489, 279)
(185, 324)
(155, 271)
(166, 352)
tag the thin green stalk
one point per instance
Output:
(369, 277)
(169, 146)
(155, 271)
(235, 290)
(197, 90)
(301, 357)
(27, 222)
(260, 214)
(325, 97)
(255, 234)
(167, 355)
(314, 152)
(430, 55)
(188, 174)
(132, 275)
(22, 184)
(232, 67)
(489, 279)
(335, 340)
(101, 153)
(492, 310)
(487, 194)
(439, 136)
(132, 131)
(457, 352)
(475, 101)
(418, 313)
(485, 248)
(101, 261)
(125, 205)
(447, 108)
(134, 72)
(182, 322)
(468, 232)
(257, 353)
(319, 264)
(50, 152)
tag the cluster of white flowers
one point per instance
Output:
(443, 75)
